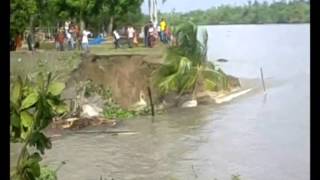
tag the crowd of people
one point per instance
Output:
(151, 33)
(70, 36)
(162, 32)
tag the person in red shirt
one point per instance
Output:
(18, 41)
(167, 35)
(61, 38)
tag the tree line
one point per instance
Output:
(97, 14)
(295, 11)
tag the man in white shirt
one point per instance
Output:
(69, 40)
(131, 32)
(66, 26)
(85, 41)
(116, 37)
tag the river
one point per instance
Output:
(259, 136)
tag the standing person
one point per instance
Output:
(56, 40)
(153, 34)
(69, 40)
(146, 34)
(131, 32)
(66, 26)
(167, 35)
(116, 38)
(12, 44)
(78, 36)
(135, 39)
(30, 41)
(159, 31)
(73, 36)
(18, 41)
(163, 25)
(85, 41)
(61, 38)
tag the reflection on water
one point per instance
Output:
(260, 136)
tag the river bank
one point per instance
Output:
(126, 72)
(257, 136)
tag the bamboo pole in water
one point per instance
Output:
(262, 79)
(151, 103)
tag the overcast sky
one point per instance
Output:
(189, 5)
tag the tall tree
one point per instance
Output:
(153, 10)
(77, 9)
(21, 12)
(118, 8)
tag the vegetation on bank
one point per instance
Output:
(187, 69)
(295, 11)
(112, 109)
(32, 107)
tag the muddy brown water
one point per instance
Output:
(260, 136)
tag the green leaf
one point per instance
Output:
(17, 91)
(26, 119)
(47, 174)
(210, 85)
(56, 88)
(40, 141)
(30, 100)
(15, 120)
(35, 157)
(62, 109)
(51, 103)
(24, 134)
(34, 168)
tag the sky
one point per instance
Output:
(189, 5)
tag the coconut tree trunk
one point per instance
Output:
(150, 10)
(110, 26)
(82, 24)
(155, 12)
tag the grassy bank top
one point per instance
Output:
(23, 62)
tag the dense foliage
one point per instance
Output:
(296, 11)
(21, 12)
(94, 14)
(32, 107)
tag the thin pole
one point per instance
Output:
(261, 73)
(151, 103)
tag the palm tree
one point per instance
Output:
(153, 10)
(186, 69)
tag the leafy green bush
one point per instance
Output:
(47, 173)
(111, 109)
(32, 107)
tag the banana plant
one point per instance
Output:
(32, 107)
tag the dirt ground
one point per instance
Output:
(126, 75)
(125, 72)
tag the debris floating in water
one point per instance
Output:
(222, 60)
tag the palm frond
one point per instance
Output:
(210, 85)
(169, 83)
(187, 65)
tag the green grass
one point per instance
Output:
(108, 49)
(60, 63)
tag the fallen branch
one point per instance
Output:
(106, 132)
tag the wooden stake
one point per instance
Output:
(261, 72)
(151, 103)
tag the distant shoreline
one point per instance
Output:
(307, 23)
